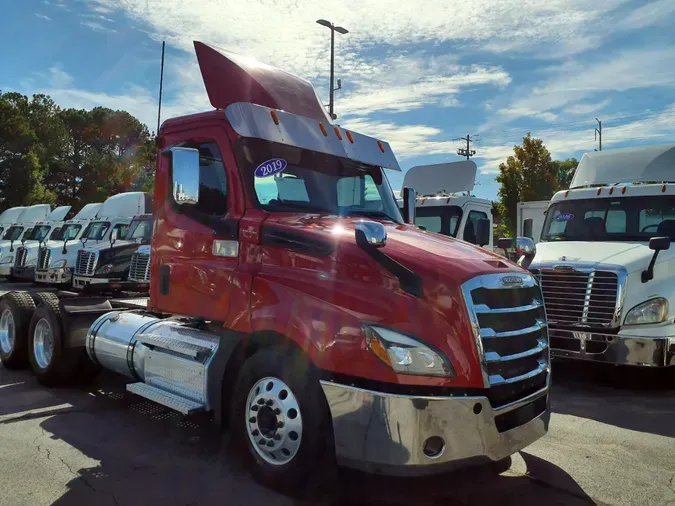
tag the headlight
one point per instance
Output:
(406, 355)
(106, 269)
(7, 260)
(59, 264)
(652, 311)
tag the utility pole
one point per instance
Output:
(468, 152)
(333, 29)
(598, 132)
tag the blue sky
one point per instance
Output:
(418, 74)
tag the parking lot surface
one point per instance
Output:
(611, 441)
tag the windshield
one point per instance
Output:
(1, 230)
(69, 232)
(439, 219)
(39, 233)
(96, 231)
(624, 219)
(12, 234)
(141, 229)
(287, 179)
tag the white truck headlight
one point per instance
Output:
(652, 311)
(406, 355)
(7, 260)
(58, 264)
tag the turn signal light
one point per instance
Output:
(337, 132)
(275, 118)
(349, 136)
(323, 130)
(380, 145)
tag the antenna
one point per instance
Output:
(161, 84)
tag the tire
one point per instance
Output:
(501, 466)
(16, 309)
(52, 362)
(312, 465)
(39, 297)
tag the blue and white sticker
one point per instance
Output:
(564, 217)
(271, 167)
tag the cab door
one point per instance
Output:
(196, 230)
(472, 215)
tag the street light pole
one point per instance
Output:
(331, 95)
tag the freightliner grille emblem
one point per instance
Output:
(512, 280)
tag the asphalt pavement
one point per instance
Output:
(611, 441)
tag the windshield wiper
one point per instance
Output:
(368, 212)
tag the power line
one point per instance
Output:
(468, 152)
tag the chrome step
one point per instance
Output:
(173, 401)
(176, 345)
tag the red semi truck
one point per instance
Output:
(291, 299)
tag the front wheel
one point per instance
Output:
(281, 423)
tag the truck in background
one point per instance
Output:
(57, 262)
(444, 203)
(605, 261)
(108, 263)
(290, 299)
(19, 231)
(531, 216)
(8, 218)
(25, 259)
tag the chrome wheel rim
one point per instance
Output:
(7, 332)
(273, 421)
(43, 343)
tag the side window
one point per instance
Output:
(430, 223)
(472, 225)
(212, 181)
(121, 229)
(527, 228)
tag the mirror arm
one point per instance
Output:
(648, 275)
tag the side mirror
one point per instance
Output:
(505, 243)
(483, 232)
(656, 244)
(185, 175)
(113, 237)
(370, 234)
(409, 198)
(525, 246)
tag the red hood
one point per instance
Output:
(366, 290)
(231, 78)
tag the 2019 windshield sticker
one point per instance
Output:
(564, 217)
(271, 167)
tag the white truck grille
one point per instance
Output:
(509, 324)
(44, 255)
(580, 298)
(139, 270)
(86, 263)
(20, 258)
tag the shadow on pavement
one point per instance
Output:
(632, 398)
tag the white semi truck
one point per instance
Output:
(531, 216)
(57, 261)
(445, 205)
(605, 262)
(8, 217)
(18, 231)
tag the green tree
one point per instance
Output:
(564, 171)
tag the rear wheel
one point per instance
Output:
(280, 422)
(15, 314)
(52, 362)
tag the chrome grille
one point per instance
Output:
(20, 258)
(587, 298)
(86, 263)
(44, 256)
(139, 270)
(509, 324)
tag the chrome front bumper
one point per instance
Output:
(56, 276)
(79, 282)
(386, 433)
(613, 348)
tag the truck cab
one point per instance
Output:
(108, 263)
(56, 257)
(18, 232)
(291, 300)
(8, 217)
(531, 217)
(444, 203)
(605, 260)
(25, 259)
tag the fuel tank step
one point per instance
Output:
(176, 345)
(173, 401)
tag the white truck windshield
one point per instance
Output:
(619, 219)
(39, 233)
(69, 232)
(140, 229)
(12, 234)
(96, 231)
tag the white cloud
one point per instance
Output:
(97, 26)
(587, 108)
(42, 16)
(59, 78)
(654, 13)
